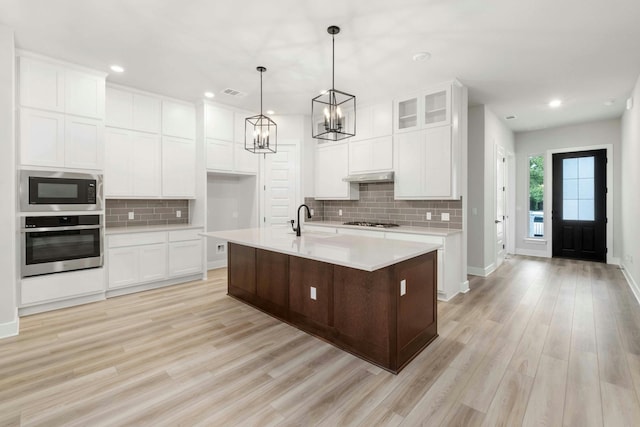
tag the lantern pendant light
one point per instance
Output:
(260, 132)
(333, 112)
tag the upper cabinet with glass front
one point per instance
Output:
(427, 109)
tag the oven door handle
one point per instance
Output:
(69, 228)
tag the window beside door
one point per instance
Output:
(536, 196)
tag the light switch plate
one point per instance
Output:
(428, 216)
(313, 293)
(403, 287)
(312, 212)
(178, 214)
(445, 216)
(131, 215)
(339, 212)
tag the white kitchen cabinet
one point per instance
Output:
(118, 163)
(41, 138)
(130, 110)
(64, 124)
(132, 164)
(450, 278)
(331, 166)
(84, 143)
(50, 288)
(146, 164)
(220, 155)
(134, 265)
(185, 258)
(425, 165)
(178, 120)
(245, 161)
(153, 257)
(84, 94)
(219, 122)
(224, 138)
(178, 167)
(152, 263)
(124, 269)
(371, 155)
(424, 110)
(374, 121)
(41, 84)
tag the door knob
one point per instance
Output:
(498, 221)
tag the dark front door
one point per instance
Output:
(579, 212)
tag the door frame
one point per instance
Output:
(548, 194)
(505, 233)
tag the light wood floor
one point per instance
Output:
(540, 342)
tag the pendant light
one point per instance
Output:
(333, 112)
(260, 132)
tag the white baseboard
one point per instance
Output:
(212, 265)
(532, 252)
(55, 305)
(464, 288)
(10, 329)
(632, 283)
(614, 261)
(153, 285)
(482, 272)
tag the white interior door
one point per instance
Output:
(500, 205)
(280, 186)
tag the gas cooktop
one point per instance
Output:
(371, 224)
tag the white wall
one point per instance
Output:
(231, 204)
(597, 133)
(8, 265)
(476, 199)
(630, 193)
(486, 131)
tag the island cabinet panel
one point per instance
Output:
(242, 271)
(417, 308)
(362, 312)
(272, 281)
(303, 275)
(363, 307)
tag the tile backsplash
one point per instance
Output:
(377, 204)
(145, 212)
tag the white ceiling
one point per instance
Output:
(514, 55)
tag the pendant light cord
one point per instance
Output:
(333, 61)
(261, 92)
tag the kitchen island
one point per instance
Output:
(371, 297)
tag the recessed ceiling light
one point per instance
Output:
(555, 103)
(209, 94)
(610, 102)
(270, 112)
(421, 56)
(117, 69)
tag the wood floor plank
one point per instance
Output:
(540, 341)
(510, 400)
(546, 402)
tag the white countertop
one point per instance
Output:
(149, 228)
(363, 253)
(401, 229)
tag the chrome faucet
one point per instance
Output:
(298, 229)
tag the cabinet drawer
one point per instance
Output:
(423, 238)
(137, 239)
(183, 235)
(51, 287)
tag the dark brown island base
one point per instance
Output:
(359, 311)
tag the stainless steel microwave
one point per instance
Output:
(44, 191)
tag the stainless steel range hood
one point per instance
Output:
(370, 177)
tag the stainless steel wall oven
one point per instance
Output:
(52, 244)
